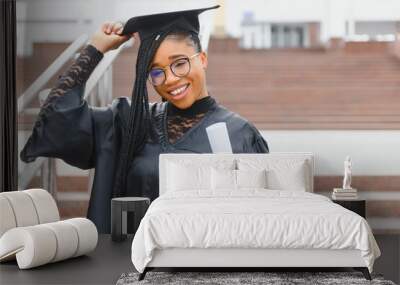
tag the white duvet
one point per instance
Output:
(250, 219)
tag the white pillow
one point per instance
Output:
(188, 174)
(183, 177)
(223, 179)
(227, 179)
(282, 174)
(251, 178)
(291, 178)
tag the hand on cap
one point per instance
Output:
(109, 37)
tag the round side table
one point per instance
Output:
(122, 209)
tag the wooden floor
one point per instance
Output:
(106, 264)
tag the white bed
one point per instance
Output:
(201, 220)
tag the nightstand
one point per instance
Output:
(126, 214)
(357, 206)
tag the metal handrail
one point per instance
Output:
(29, 172)
(102, 67)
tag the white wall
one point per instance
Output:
(373, 152)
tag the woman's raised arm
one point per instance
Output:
(65, 125)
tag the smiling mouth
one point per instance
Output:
(179, 91)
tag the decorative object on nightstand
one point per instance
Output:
(356, 205)
(120, 207)
(347, 192)
(347, 173)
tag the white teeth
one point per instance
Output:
(178, 91)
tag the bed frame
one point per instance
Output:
(246, 258)
(242, 259)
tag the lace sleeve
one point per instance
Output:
(77, 74)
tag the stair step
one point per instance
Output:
(72, 205)
(65, 184)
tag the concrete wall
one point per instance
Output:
(332, 14)
(54, 21)
(64, 21)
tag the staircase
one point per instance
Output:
(309, 89)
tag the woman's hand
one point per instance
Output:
(109, 37)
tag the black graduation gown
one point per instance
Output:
(90, 137)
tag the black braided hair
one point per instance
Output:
(140, 127)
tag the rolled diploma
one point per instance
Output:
(219, 138)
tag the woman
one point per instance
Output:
(123, 141)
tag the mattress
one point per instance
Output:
(252, 219)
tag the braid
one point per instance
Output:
(139, 127)
(139, 124)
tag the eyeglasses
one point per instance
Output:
(179, 68)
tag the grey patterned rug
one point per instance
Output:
(243, 278)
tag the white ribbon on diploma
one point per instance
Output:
(219, 138)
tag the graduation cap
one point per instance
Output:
(151, 25)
